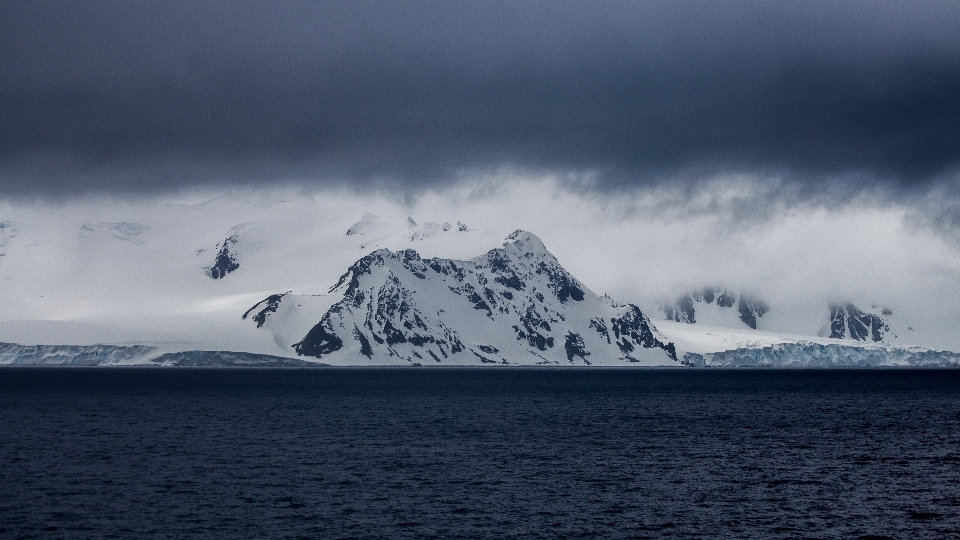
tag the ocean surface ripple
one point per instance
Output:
(478, 453)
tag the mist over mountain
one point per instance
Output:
(129, 272)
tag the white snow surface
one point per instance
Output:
(124, 273)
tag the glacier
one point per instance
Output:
(73, 355)
(12, 354)
(819, 355)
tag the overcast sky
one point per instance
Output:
(130, 96)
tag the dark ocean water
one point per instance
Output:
(478, 453)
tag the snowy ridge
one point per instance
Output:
(819, 355)
(513, 305)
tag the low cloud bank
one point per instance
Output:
(638, 245)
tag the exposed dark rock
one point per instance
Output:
(357, 270)
(601, 327)
(490, 295)
(364, 343)
(726, 299)
(708, 295)
(838, 322)
(846, 318)
(475, 298)
(750, 309)
(392, 335)
(511, 281)
(226, 260)
(683, 309)
(562, 284)
(414, 263)
(483, 358)
(574, 346)
(533, 337)
(636, 326)
(270, 305)
(320, 340)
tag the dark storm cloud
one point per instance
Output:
(141, 95)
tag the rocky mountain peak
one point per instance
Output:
(514, 304)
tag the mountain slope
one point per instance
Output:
(515, 304)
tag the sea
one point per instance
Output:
(486, 452)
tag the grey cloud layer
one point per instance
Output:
(131, 96)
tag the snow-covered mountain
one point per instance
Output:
(88, 280)
(513, 305)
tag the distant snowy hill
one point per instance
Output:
(513, 305)
(721, 307)
(715, 306)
